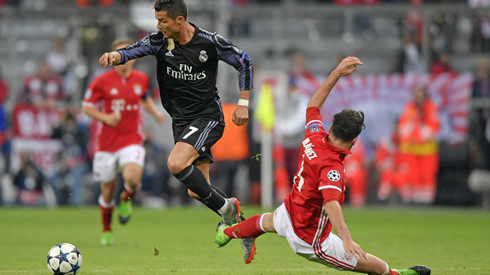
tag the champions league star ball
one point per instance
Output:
(64, 258)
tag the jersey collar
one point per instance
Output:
(334, 148)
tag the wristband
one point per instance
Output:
(243, 102)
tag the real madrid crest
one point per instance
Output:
(203, 57)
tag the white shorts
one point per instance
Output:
(332, 252)
(106, 164)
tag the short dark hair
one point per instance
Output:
(173, 8)
(348, 124)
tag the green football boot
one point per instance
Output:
(124, 210)
(221, 239)
(415, 270)
(107, 238)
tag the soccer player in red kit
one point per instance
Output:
(313, 207)
(121, 91)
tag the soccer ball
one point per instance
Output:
(64, 258)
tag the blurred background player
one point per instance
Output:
(313, 206)
(121, 90)
(187, 61)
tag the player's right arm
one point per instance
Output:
(148, 45)
(346, 67)
(92, 96)
(111, 119)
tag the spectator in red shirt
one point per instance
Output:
(442, 64)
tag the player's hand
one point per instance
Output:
(112, 119)
(348, 65)
(109, 58)
(240, 116)
(160, 118)
(354, 250)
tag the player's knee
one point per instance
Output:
(268, 222)
(192, 194)
(132, 180)
(176, 165)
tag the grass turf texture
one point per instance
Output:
(450, 241)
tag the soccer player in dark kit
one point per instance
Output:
(187, 66)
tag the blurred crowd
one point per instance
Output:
(47, 144)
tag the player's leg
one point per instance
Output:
(194, 141)
(253, 227)
(104, 171)
(375, 266)
(106, 205)
(131, 159)
(247, 231)
(180, 165)
(204, 166)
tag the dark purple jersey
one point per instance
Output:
(187, 73)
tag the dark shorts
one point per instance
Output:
(201, 134)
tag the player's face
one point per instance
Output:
(168, 26)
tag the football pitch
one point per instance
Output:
(449, 240)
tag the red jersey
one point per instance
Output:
(319, 179)
(123, 95)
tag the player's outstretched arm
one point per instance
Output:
(346, 67)
(110, 58)
(336, 217)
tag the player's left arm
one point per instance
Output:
(149, 106)
(239, 59)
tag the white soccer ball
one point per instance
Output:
(64, 258)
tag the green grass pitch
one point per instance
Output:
(450, 241)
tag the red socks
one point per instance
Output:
(250, 228)
(394, 272)
(106, 213)
(106, 218)
(128, 193)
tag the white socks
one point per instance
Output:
(387, 272)
(225, 209)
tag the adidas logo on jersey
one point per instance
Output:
(169, 53)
